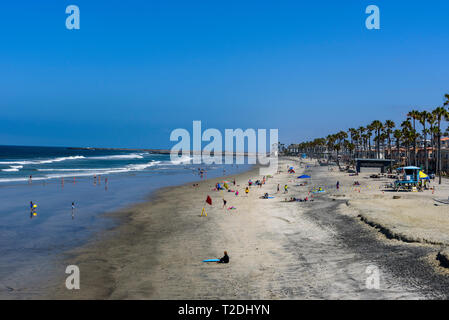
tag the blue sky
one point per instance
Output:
(136, 70)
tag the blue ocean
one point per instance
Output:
(96, 181)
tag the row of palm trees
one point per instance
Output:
(357, 142)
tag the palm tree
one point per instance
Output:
(362, 137)
(340, 137)
(423, 117)
(369, 132)
(389, 126)
(440, 114)
(406, 136)
(330, 145)
(398, 136)
(414, 114)
(350, 147)
(431, 120)
(377, 126)
(354, 136)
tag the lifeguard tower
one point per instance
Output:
(409, 178)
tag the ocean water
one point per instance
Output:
(97, 181)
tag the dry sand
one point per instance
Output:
(414, 217)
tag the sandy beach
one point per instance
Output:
(278, 250)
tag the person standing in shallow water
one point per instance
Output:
(73, 210)
(31, 209)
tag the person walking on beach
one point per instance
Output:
(224, 203)
(73, 210)
(278, 188)
(285, 189)
(338, 185)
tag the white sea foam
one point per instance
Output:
(25, 162)
(59, 159)
(83, 172)
(58, 173)
(21, 179)
(120, 156)
(13, 169)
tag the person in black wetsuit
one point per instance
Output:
(225, 258)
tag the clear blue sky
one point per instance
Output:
(138, 69)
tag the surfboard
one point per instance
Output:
(211, 260)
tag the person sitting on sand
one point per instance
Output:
(247, 190)
(225, 258)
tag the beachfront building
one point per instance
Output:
(445, 142)
(293, 150)
(421, 157)
(445, 160)
(401, 155)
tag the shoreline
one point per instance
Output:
(125, 225)
(31, 262)
(278, 250)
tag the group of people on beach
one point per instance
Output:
(33, 208)
(294, 199)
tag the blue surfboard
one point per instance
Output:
(211, 260)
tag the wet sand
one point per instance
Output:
(278, 250)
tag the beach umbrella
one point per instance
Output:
(422, 175)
